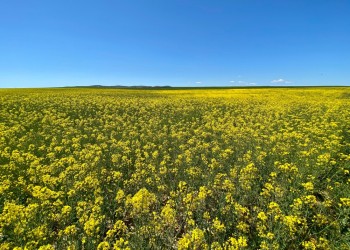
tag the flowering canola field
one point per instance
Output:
(175, 169)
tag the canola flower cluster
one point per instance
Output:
(175, 169)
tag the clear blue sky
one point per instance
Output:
(47, 43)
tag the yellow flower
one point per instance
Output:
(345, 202)
(309, 199)
(309, 186)
(203, 193)
(309, 245)
(218, 226)
(243, 227)
(262, 216)
(47, 247)
(270, 235)
(182, 186)
(235, 244)
(168, 215)
(103, 246)
(216, 246)
(91, 227)
(120, 195)
(293, 223)
(194, 240)
(142, 201)
(121, 244)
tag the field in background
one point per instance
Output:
(175, 169)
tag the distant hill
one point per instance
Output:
(201, 87)
(120, 86)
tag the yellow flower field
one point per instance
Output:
(264, 168)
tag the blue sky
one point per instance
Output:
(174, 42)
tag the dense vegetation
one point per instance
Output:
(175, 169)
